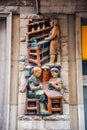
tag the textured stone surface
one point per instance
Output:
(13, 117)
(81, 117)
(66, 109)
(17, 2)
(63, 6)
(79, 82)
(64, 74)
(42, 125)
(22, 81)
(72, 82)
(47, 6)
(7, 9)
(23, 22)
(45, 122)
(57, 6)
(23, 49)
(23, 31)
(22, 98)
(57, 117)
(14, 83)
(3, 75)
(55, 122)
(21, 109)
(27, 118)
(15, 38)
(31, 125)
(73, 117)
(27, 10)
(58, 125)
(15, 62)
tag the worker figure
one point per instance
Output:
(34, 89)
(54, 37)
(55, 82)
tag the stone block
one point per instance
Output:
(23, 49)
(29, 118)
(3, 47)
(22, 58)
(21, 109)
(57, 125)
(56, 3)
(64, 26)
(15, 38)
(7, 9)
(53, 122)
(15, 52)
(13, 117)
(27, 10)
(64, 58)
(72, 43)
(30, 16)
(57, 117)
(14, 82)
(73, 117)
(81, 117)
(64, 74)
(2, 79)
(44, 3)
(23, 39)
(69, 8)
(24, 22)
(72, 82)
(66, 110)
(78, 38)
(23, 31)
(79, 82)
(21, 66)
(64, 39)
(22, 81)
(31, 125)
(64, 66)
(64, 48)
(55, 9)
(21, 98)
(45, 9)
(66, 97)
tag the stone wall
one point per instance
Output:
(50, 6)
(17, 2)
(56, 122)
(53, 122)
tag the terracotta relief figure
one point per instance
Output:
(55, 82)
(34, 89)
(54, 37)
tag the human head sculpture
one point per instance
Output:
(54, 72)
(54, 22)
(37, 71)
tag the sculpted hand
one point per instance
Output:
(46, 38)
(52, 83)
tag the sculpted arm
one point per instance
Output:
(32, 87)
(57, 85)
(54, 33)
